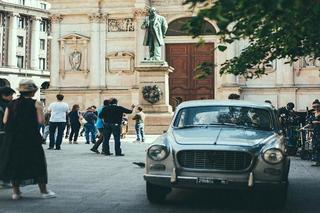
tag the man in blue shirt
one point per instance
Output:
(99, 126)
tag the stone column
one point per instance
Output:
(103, 39)
(139, 15)
(55, 54)
(12, 48)
(230, 79)
(35, 43)
(95, 50)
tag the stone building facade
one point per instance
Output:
(97, 52)
(24, 44)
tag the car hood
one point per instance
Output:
(221, 136)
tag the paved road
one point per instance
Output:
(86, 182)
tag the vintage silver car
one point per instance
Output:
(219, 144)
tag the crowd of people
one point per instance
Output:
(98, 124)
(289, 118)
(25, 126)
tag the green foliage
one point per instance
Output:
(275, 28)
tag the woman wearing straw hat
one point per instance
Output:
(23, 156)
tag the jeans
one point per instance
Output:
(52, 128)
(90, 130)
(99, 141)
(75, 128)
(115, 130)
(140, 131)
(46, 133)
(68, 125)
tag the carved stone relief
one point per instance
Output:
(120, 62)
(121, 25)
(167, 2)
(152, 94)
(75, 60)
(73, 54)
(56, 18)
(310, 61)
(138, 12)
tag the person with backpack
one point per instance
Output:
(90, 128)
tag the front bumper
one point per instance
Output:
(193, 183)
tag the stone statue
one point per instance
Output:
(75, 60)
(156, 27)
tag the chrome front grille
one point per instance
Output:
(214, 160)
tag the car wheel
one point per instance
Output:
(155, 193)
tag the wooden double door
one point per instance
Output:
(183, 85)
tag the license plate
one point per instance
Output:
(211, 181)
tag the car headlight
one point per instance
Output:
(158, 152)
(273, 156)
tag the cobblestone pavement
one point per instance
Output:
(86, 182)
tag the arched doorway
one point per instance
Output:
(185, 55)
(4, 82)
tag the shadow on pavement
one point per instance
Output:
(219, 200)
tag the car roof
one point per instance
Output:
(239, 103)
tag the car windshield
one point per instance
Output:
(236, 116)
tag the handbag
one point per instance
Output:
(82, 121)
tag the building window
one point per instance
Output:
(22, 2)
(43, 26)
(43, 6)
(42, 44)
(20, 61)
(42, 63)
(21, 22)
(20, 41)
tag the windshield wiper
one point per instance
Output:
(223, 124)
(188, 126)
(229, 124)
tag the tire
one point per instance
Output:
(155, 193)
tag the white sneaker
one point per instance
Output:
(48, 195)
(16, 196)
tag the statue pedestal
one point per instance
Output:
(154, 95)
(154, 83)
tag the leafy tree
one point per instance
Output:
(275, 28)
